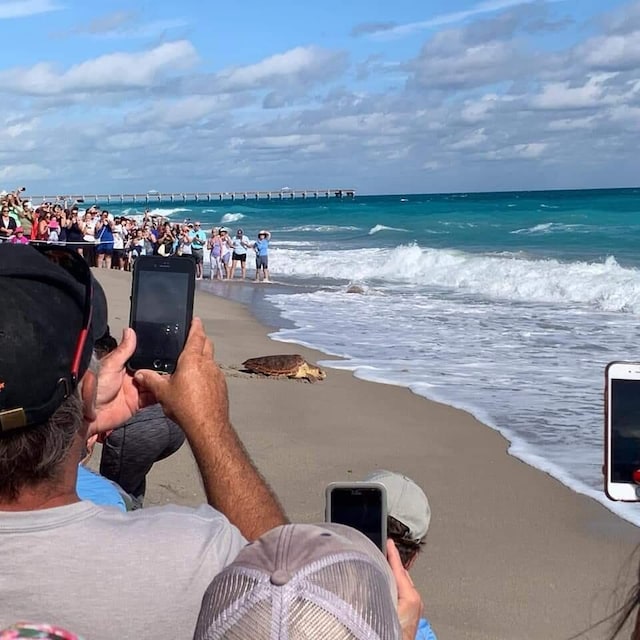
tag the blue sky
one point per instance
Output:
(404, 96)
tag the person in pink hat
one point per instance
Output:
(18, 237)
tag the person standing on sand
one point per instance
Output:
(227, 248)
(261, 247)
(240, 245)
(104, 237)
(198, 239)
(215, 247)
(408, 519)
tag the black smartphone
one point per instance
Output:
(161, 310)
(361, 505)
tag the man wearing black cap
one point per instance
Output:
(104, 573)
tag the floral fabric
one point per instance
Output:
(28, 630)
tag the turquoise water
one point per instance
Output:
(508, 305)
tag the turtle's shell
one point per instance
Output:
(279, 365)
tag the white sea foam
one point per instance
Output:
(534, 372)
(290, 243)
(553, 227)
(232, 217)
(536, 229)
(382, 227)
(165, 213)
(318, 228)
(600, 285)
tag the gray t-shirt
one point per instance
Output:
(105, 574)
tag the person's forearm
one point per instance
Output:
(232, 483)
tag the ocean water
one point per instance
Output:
(507, 305)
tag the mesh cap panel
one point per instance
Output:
(341, 596)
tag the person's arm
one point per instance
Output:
(231, 481)
(410, 605)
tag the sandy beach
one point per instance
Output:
(511, 553)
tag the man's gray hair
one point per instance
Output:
(35, 455)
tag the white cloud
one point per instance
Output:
(184, 111)
(482, 8)
(24, 172)
(26, 8)
(483, 109)
(470, 141)
(612, 52)
(559, 95)
(146, 30)
(572, 124)
(449, 62)
(529, 151)
(110, 72)
(105, 23)
(626, 116)
(302, 64)
(137, 140)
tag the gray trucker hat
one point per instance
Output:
(303, 581)
(406, 501)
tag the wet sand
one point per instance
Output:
(511, 553)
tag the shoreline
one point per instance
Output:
(270, 317)
(511, 552)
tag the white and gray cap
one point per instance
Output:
(406, 502)
(303, 581)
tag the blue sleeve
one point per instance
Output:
(97, 489)
(425, 632)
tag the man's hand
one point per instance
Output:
(231, 481)
(409, 601)
(196, 376)
(118, 396)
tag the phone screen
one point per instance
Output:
(360, 508)
(161, 317)
(625, 429)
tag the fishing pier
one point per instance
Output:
(202, 196)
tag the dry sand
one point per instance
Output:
(511, 553)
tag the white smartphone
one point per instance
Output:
(361, 505)
(622, 431)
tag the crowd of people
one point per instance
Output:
(114, 242)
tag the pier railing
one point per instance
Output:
(200, 196)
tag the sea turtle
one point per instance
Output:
(285, 366)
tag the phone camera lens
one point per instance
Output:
(157, 364)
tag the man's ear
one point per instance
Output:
(88, 392)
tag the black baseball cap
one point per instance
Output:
(41, 317)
